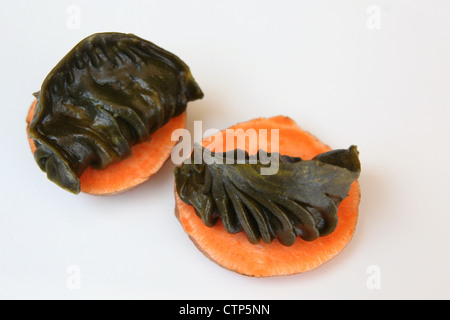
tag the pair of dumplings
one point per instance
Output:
(113, 91)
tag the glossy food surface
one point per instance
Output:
(300, 200)
(110, 92)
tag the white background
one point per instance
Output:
(323, 63)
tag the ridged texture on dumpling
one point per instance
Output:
(300, 200)
(110, 92)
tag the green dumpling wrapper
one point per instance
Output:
(300, 200)
(110, 92)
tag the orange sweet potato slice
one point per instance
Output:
(146, 159)
(235, 252)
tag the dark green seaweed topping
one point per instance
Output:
(110, 92)
(300, 200)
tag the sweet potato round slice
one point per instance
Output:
(146, 159)
(236, 253)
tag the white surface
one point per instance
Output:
(386, 90)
